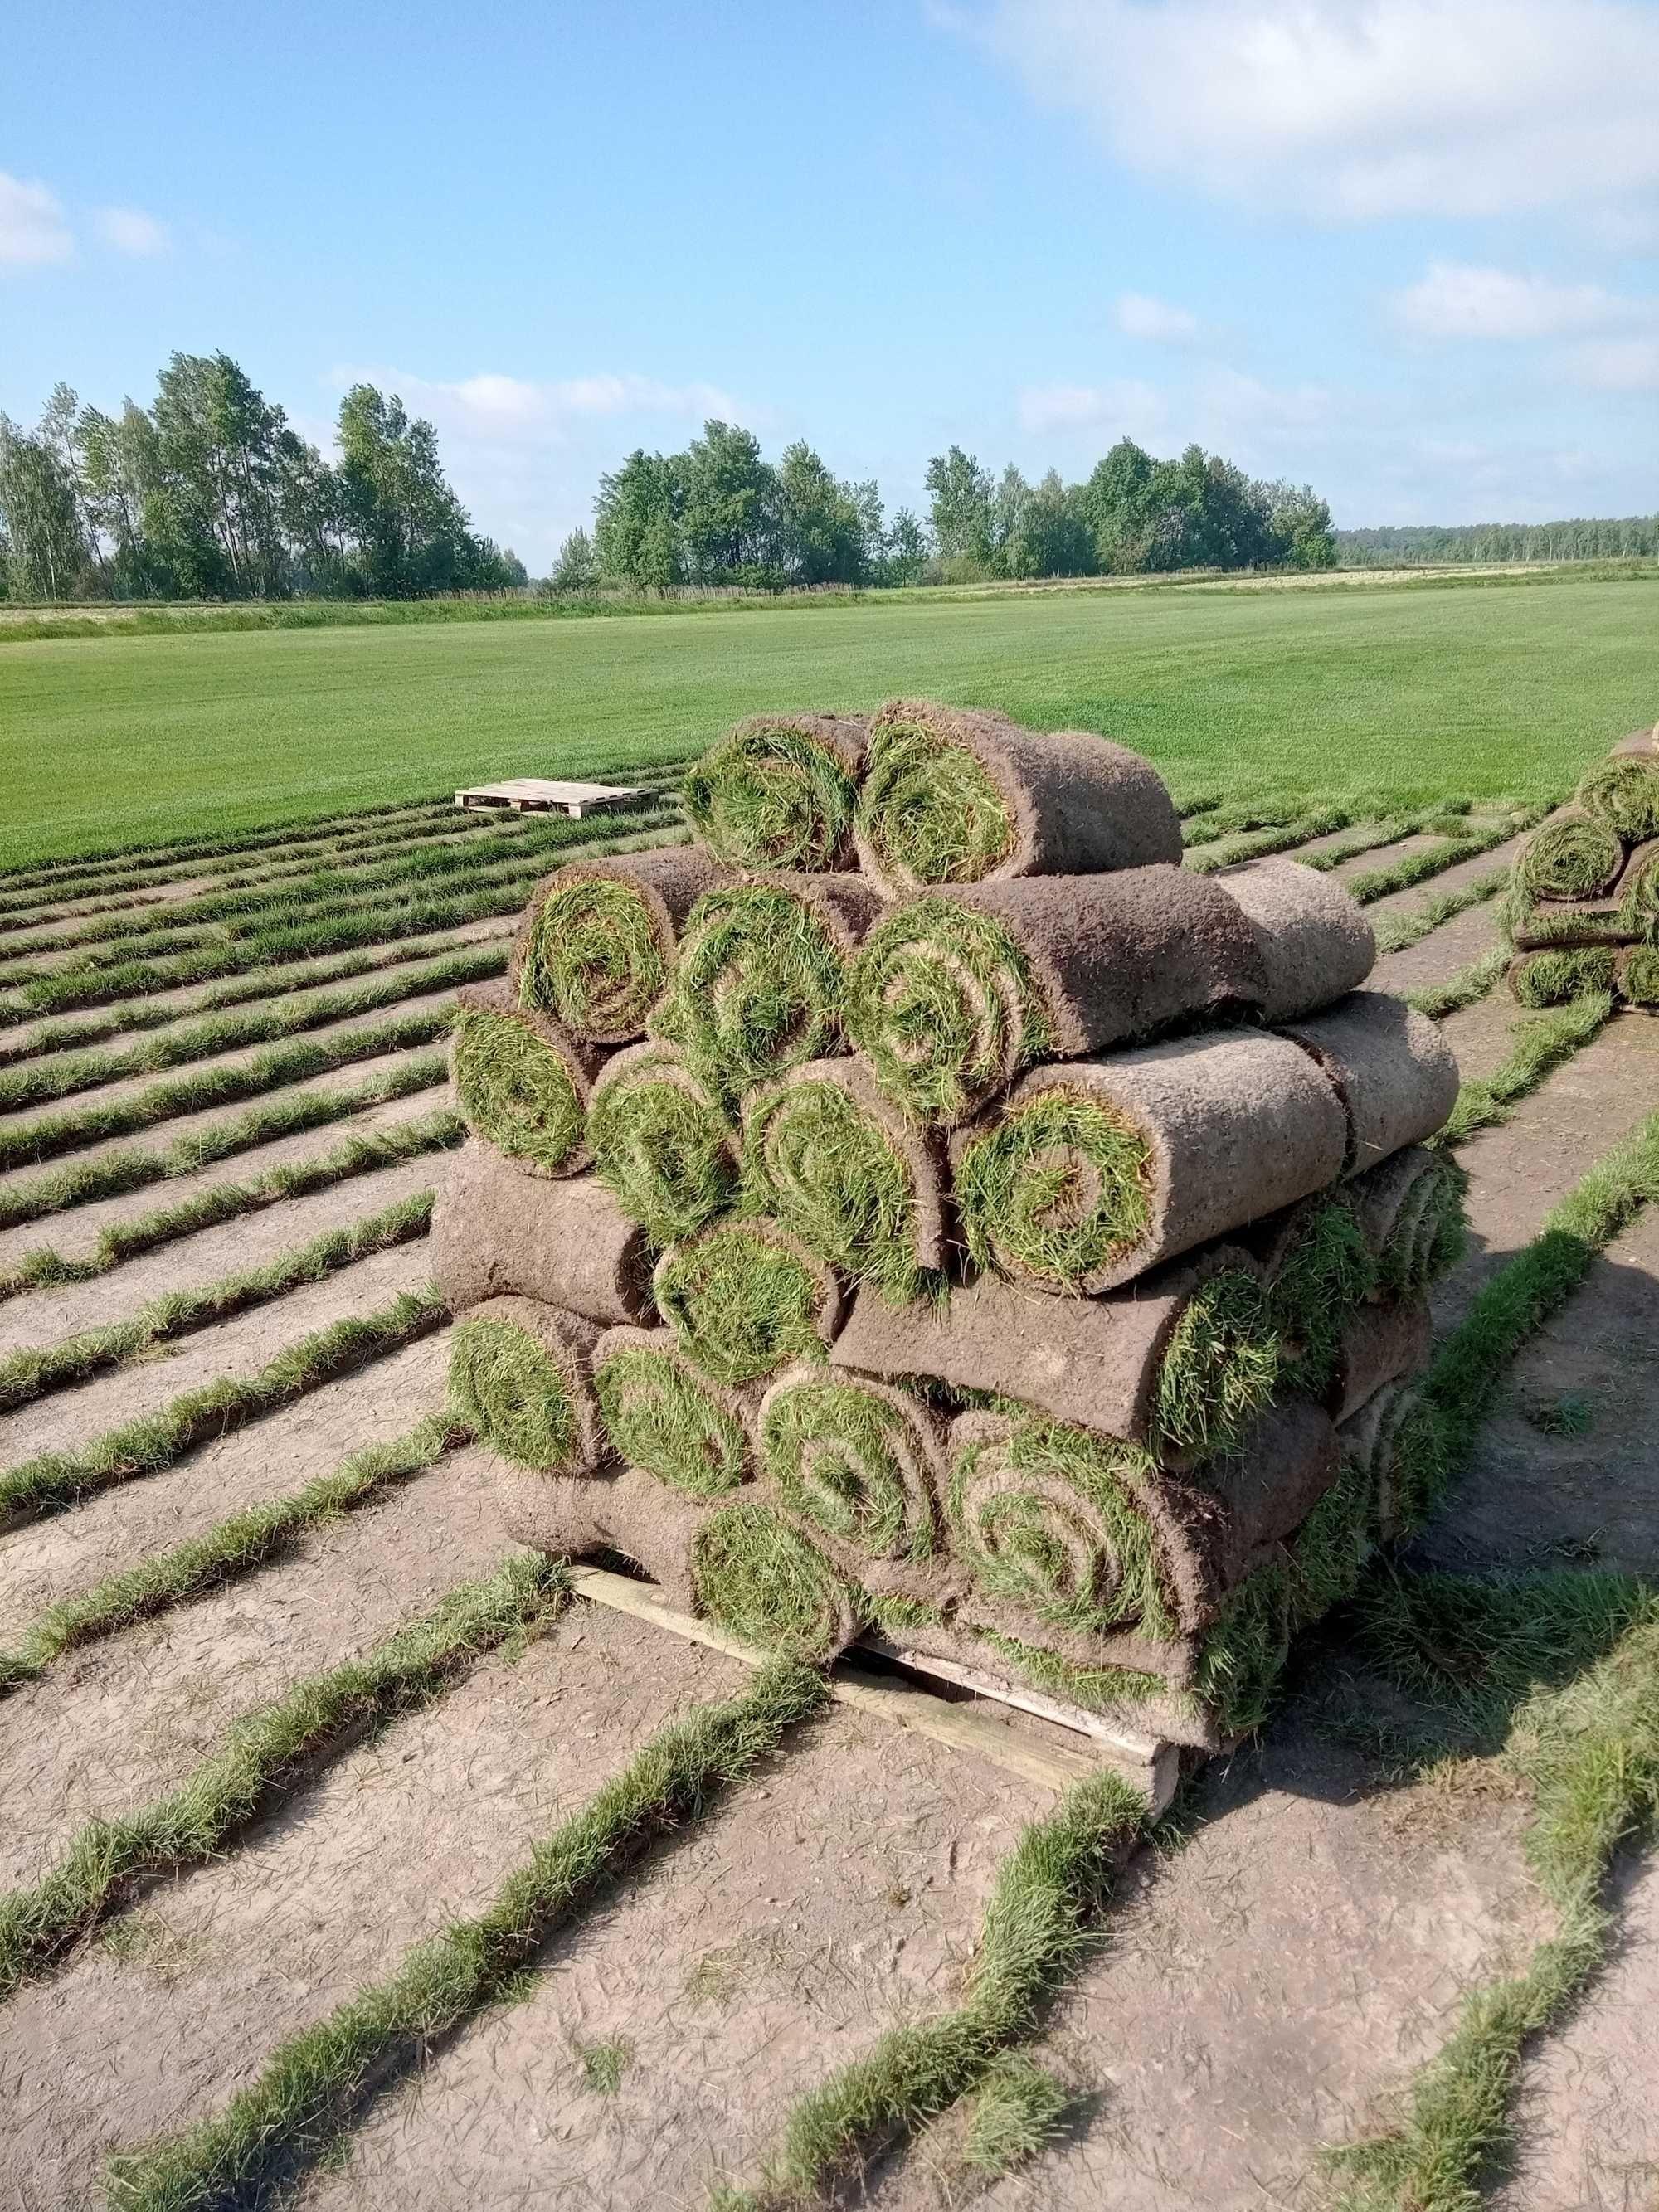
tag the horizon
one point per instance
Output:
(1404, 253)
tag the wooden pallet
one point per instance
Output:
(533, 795)
(908, 1690)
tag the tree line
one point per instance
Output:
(1586, 538)
(719, 513)
(209, 493)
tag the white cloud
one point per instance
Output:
(1455, 301)
(1138, 315)
(1353, 109)
(33, 228)
(515, 409)
(1125, 408)
(129, 230)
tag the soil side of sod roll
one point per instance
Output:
(778, 791)
(1212, 1132)
(521, 1081)
(596, 946)
(956, 796)
(1389, 1066)
(1314, 938)
(1410, 1212)
(519, 1378)
(622, 1510)
(496, 1233)
(1379, 1344)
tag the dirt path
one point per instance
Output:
(117, 1724)
(43, 1561)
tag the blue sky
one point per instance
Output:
(1406, 249)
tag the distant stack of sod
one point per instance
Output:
(924, 1209)
(1581, 911)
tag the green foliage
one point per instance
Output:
(1328, 1271)
(1220, 1365)
(1638, 975)
(1576, 858)
(772, 797)
(833, 1176)
(1555, 979)
(1056, 1188)
(661, 1417)
(1015, 2114)
(285, 2121)
(510, 1390)
(852, 1461)
(663, 1146)
(769, 1585)
(928, 810)
(1623, 791)
(592, 960)
(741, 1304)
(516, 1090)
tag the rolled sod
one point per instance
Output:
(518, 1374)
(595, 949)
(1051, 1519)
(955, 796)
(662, 1142)
(1622, 791)
(1286, 1462)
(496, 1233)
(763, 974)
(1551, 979)
(770, 1583)
(1638, 892)
(1637, 974)
(863, 1461)
(1314, 937)
(837, 1163)
(1532, 927)
(744, 1298)
(521, 1082)
(620, 1510)
(1396, 1445)
(1390, 1067)
(952, 996)
(663, 1416)
(1410, 1212)
(777, 791)
(1185, 1358)
(1569, 855)
(1095, 1170)
(1379, 1344)
(1319, 1265)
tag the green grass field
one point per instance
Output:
(1487, 689)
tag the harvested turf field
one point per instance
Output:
(353, 1858)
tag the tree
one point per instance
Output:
(905, 551)
(636, 527)
(1301, 525)
(1117, 505)
(577, 568)
(822, 524)
(962, 495)
(729, 521)
(47, 547)
(410, 531)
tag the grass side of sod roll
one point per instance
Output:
(31, 1373)
(120, 1240)
(662, 1417)
(1057, 1188)
(508, 1389)
(516, 1090)
(772, 797)
(315, 2083)
(235, 1546)
(1048, 1890)
(768, 1583)
(195, 1822)
(155, 1440)
(740, 1304)
(928, 810)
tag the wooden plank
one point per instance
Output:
(1136, 1744)
(537, 795)
(904, 1704)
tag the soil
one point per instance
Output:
(1456, 878)
(1436, 957)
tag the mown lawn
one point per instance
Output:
(1479, 689)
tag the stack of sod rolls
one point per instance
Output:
(1582, 913)
(924, 1210)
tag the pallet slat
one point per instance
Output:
(533, 794)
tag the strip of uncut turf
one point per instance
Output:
(259, 1754)
(1254, 845)
(1591, 1751)
(234, 1547)
(1396, 931)
(148, 851)
(1472, 982)
(51, 1135)
(1048, 1888)
(157, 1440)
(45, 1268)
(286, 1115)
(35, 1372)
(315, 2083)
(1542, 1041)
(66, 1073)
(1416, 867)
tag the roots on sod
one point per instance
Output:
(509, 1389)
(234, 1546)
(771, 794)
(157, 1440)
(1057, 1188)
(516, 1090)
(315, 2083)
(259, 1752)
(741, 1304)
(662, 1417)
(769, 1585)
(31, 1374)
(1036, 1926)
(927, 808)
(46, 1268)
(1047, 1515)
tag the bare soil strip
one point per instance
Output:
(72, 1418)
(50, 1560)
(123, 1721)
(411, 1829)
(1455, 878)
(1439, 955)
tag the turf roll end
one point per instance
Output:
(1622, 791)
(1389, 1066)
(662, 1416)
(861, 1459)
(519, 1376)
(744, 1298)
(521, 1083)
(1570, 855)
(662, 1144)
(955, 796)
(498, 1233)
(768, 1583)
(1637, 974)
(777, 791)
(1538, 980)
(1315, 939)
(595, 949)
